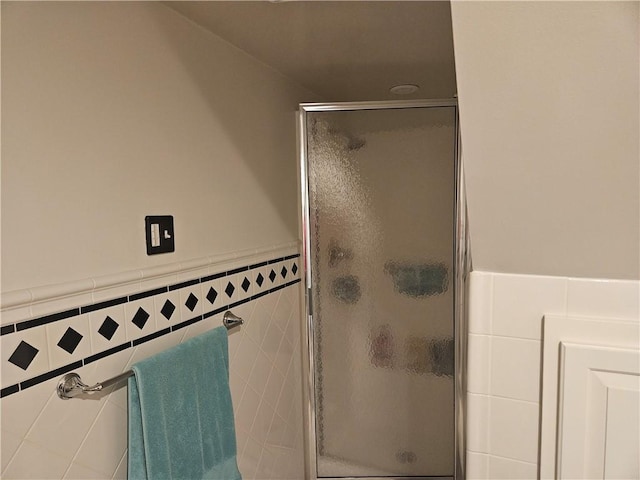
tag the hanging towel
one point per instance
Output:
(180, 413)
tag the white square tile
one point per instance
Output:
(259, 279)
(507, 469)
(121, 471)
(245, 284)
(478, 423)
(515, 368)
(155, 346)
(167, 310)
(273, 388)
(479, 364)
(236, 387)
(287, 396)
(191, 303)
(294, 268)
(212, 295)
(260, 373)
(79, 472)
(30, 352)
(480, 302)
(284, 272)
(277, 432)
(246, 411)
(514, 429)
(105, 368)
(284, 356)
(20, 410)
(35, 461)
(76, 416)
(262, 422)
(273, 276)
(520, 302)
(258, 326)
(69, 340)
(477, 466)
(234, 336)
(245, 357)
(230, 289)
(9, 446)
(106, 442)
(271, 341)
(603, 298)
(107, 328)
(250, 458)
(139, 318)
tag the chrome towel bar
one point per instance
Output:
(71, 385)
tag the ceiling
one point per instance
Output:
(341, 50)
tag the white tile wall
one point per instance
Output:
(504, 361)
(265, 381)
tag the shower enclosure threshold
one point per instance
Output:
(354, 471)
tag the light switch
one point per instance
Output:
(159, 233)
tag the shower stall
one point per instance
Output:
(384, 247)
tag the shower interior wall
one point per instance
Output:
(114, 111)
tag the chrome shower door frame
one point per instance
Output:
(462, 266)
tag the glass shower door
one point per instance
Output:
(381, 223)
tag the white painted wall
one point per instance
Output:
(116, 111)
(112, 111)
(549, 95)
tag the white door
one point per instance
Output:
(598, 412)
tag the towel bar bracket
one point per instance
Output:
(71, 385)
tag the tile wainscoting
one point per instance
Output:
(100, 333)
(505, 334)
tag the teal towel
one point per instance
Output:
(180, 413)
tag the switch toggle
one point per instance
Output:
(157, 242)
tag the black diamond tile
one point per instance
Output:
(140, 318)
(70, 340)
(294, 269)
(191, 302)
(108, 328)
(230, 289)
(167, 309)
(284, 272)
(23, 355)
(212, 295)
(259, 279)
(272, 276)
(246, 284)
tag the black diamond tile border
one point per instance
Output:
(284, 272)
(167, 309)
(108, 328)
(191, 302)
(140, 318)
(24, 354)
(212, 295)
(294, 268)
(245, 284)
(70, 340)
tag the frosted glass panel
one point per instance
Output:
(381, 196)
